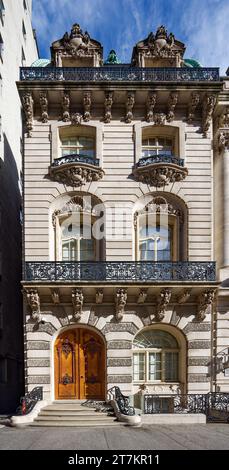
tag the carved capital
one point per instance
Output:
(99, 296)
(159, 119)
(172, 101)
(77, 303)
(162, 302)
(120, 303)
(44, 106)
(208, 108)
(107, 106)
(66, 107)
(87, 106)
(150, 104)
(27, 103)
(194, 101)
(33, 301)
(205, 300)
(129, 106)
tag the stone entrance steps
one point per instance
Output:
(73, 414)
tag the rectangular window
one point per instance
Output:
(2, 11)
(84, 146)
(22, 57)
(155, 366)
(139, 366)
(1, 47)
(23, 29)
(171, 366)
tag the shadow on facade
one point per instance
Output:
(11, 340)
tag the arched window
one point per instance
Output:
(161, 230)
(77, 242)
(156, 357)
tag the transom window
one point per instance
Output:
(77, 242)
(155, 242)
(156, 357)
(78, 145)
(157, 146)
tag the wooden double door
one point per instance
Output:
(79, 365)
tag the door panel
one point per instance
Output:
(79, 365)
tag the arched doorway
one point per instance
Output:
(79, 358)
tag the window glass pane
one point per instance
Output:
(139, 366)
(154, 366)
(69, 250)
(152, 141)
(155, 339)
(171, 366)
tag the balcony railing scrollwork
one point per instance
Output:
(159, 170)
(75, 170)
(123, 271)
(119, 73)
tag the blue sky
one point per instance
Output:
(203, 25)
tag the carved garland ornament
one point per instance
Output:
(76, 174)
(120, 303)
(87, 106)
(172, 102)
(108, 105)
(223, 141)
(151, 101)
(163, 300)
(44, 106)
(66, 107)
(208, 108)
(206, 300)
(129, 106)
(33, 301)
(77, 303)
(195, 99)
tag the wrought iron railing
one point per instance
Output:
(189, 403)
(144, 161)
(214, 405)
(120, 73)
(30, 399)
(130, 271)
(74, 158)
(122, 401)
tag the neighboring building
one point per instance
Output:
(17, 47)
(146, 311)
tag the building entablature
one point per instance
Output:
(146, 299)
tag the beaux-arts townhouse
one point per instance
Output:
(126, 221)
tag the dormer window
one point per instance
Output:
(157, 146)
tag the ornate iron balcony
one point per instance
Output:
(120, 73)
(74, 158)
(123, 271)
(144, 161)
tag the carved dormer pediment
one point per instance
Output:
(76, 49)
(158, 50)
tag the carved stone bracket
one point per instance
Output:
(194, 101)
(44, 106)
(162, 302)
(223, 140)
(33, 301)
(160, 174)
(107, 106)
(87, 106)
(129, 106)
(77, 303)
(150, 104)
(184, 296)
(208, 108)
(172, 101)
(66, 107)
(99, 296)
(27, 103)
(76, 174)
(224, 119)
(76, 119)
(142, 296)
(159, 119)
(205, 300)
(120, 303)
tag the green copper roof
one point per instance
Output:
(112, 58)
(41, 63)
(191, 63)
